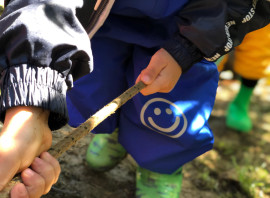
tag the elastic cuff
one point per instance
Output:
(183, 51)
(25, 85)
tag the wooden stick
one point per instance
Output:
(62, 146)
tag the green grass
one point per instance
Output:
(254, 180)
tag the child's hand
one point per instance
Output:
(161, 75)
(25, 135)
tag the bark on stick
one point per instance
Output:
(62, 146)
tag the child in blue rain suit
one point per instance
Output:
(161, 131)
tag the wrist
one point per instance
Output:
(25, 135)
(26, 128)
(23, 113)
(183, 51)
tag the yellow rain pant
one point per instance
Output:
(252, 57)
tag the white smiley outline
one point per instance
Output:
(165, 130)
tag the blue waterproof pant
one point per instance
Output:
(160, 131)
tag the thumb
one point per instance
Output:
(156, 65)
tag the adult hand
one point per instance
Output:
(161, 75)
(38, 180)
(25, 135)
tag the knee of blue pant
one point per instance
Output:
(160, 153)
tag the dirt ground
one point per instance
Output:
(237, 167)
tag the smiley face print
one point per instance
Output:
(163, 116)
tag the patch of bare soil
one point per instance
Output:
(237, 167)
(77, 180)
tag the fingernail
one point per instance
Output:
(28, 172)
(37, 161)
(45, 155)
(145, 79)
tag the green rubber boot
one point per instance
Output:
(105, 152)
(155, 185)
(238, 112)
